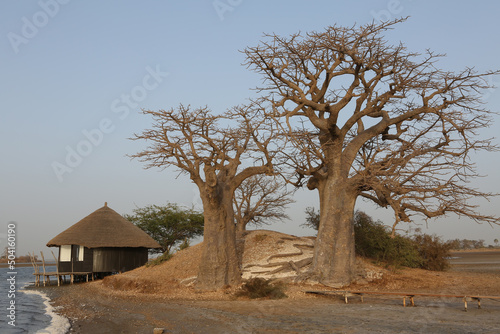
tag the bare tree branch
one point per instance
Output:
(260, 200)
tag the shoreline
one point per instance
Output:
(58, 323)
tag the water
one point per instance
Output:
(33, 312)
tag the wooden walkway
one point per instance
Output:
(59, 276)
(405, 295)
(45, 276)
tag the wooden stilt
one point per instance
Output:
(57, 269)
(43, 266)
(35, 267)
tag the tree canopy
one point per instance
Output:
(169, 225)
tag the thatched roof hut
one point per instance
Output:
(104, 228)
(102, 242)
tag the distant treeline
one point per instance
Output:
(19, 259)
(467, 244)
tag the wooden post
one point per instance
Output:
(57, 272)
(72, 267)
(43, 266)
(35, 267)
(57, 269)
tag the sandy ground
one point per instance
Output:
(102, 307)
(100, 312)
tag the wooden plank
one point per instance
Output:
(408, 294)
(411, 295)
(60, 275)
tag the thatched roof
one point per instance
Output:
(104, 228)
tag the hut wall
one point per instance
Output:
(114, 259)
(75, 265)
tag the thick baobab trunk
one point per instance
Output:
(219, 264)
(334, 254)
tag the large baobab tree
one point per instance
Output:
(372, 119)
(211, 149)
(261, 200)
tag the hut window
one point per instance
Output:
(79, 253)
(65, 253)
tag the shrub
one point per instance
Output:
(403, 252)
(160, 259)
(261, 288)
(373, 240)
(184, 245)
(434, 251)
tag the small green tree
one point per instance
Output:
(169, 224)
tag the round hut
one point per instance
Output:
(102, 242)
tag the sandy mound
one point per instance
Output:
(166, 278)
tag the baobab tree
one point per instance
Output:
(372, 119)
(211, 149)
(261, 200)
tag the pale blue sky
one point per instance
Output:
(81, 65)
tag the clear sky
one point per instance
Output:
(74, 75)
